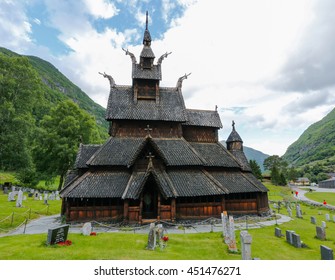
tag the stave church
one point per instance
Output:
(162, 161)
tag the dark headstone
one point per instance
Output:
(289, 236)
(278, 232)
(326, 253)
(313, 220)
(58, 234)
(296, 240)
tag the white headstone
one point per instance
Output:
(19, 198)
(327, 217)
(323, 224)
(246, 240)
(87, 229)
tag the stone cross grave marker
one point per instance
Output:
(320, 233)
(58, 234)
(326, 253)
(246, 240)
(86, 229)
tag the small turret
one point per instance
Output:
(234, 141)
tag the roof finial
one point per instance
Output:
(146, 21)
(233, 125)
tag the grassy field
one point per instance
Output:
(320, 196)
(198, 246)
(12, 216)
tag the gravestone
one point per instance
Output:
(289, 236)
(58, 234)
(289, 211)
(278, 232)
(326, 253)
(334, 218)
(5, 190)
(224, 219)
(320, 233)
(86, 229)
(298, 211)
(232, 241)
(19, 198)
(296, 240)
(327, 217)
(323, 224)
(11, 196)
(46, 198)
(151, 237)
(313, 220)
(246, 240)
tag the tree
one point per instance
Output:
(59, 137)
(255, 168)
(20, 90)
(278, 169)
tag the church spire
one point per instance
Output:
(147, 36)
(234, 140)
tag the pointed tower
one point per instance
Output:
(235, 146)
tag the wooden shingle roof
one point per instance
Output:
(203, 118)
(84, 154)
(121, 106)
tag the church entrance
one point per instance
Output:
(150, 200)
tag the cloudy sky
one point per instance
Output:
(268, 65)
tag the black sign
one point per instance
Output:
(58, 234)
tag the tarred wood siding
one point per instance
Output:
(200, 134)
(198, 210)
(122, 128)
(94, 213)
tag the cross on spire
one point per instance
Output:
(146, 20)
(233, 125)
(148, 129)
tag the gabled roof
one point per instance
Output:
(237, 182)
(203, 118)
(214, 154)
(177, 152)
(153, 74)
(116, 151)
(121, 106)
(242, 159)
(84, 154)
(190, 183)
(98, 184)
(138, 180)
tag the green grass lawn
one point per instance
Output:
(197, 246)
(319, 197)
(12, 216)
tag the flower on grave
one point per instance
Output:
(65, 243)
(165, 238)
(93, 233)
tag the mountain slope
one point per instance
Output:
(316, 144)
(59, 88)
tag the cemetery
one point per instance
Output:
(234, 238)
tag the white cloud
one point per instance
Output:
(101, 8)
(235, 51)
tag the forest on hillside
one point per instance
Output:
(40, 128)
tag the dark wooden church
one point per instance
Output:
(162, 160)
